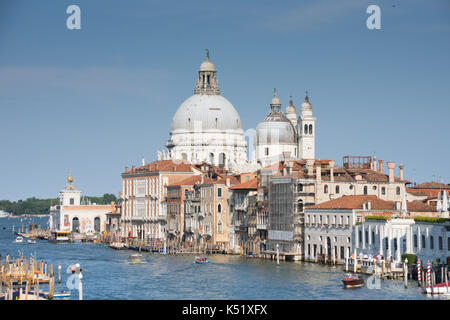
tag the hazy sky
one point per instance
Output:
(98, 99)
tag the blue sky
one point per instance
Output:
(98, 99)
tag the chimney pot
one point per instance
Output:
(381, 166)
(126, 169)
(331, 171)
(401, 166)
(391, 167)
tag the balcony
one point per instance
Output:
(161, 216)
(138, 218)
(261, 226)
(240, 228)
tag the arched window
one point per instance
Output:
(365, 189)
(415, 241)
(219, 227)
(423, 242)
(397, 191)
(216, 124)
(431, 242)
(97, 224)
(300, 206)
(383, 190)
(337, 189)
(310, 129)
(75, 225)
(222, 160)
(325, 188)
(306, 129)
(299, 187)
(219, 208)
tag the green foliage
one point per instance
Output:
(358, 223)
(376, 218)
(412, 258)
(42, 206)
(431, 219)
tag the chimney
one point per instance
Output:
(310, 166)
(126, 169)
(331, 170)
(318, 173)
(369, 205)
(132, 169)
(228, 182)
(381, 166)
(391, 167)
(374, 163)
(143, 161)
(401, 170)
(201, 181)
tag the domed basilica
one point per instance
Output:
(207, 127)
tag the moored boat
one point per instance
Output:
(439, 288)
(353, 281)
(19, 239)
(30, 241)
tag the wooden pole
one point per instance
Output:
(59, 272)
(405, 266)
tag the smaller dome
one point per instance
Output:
(306, 105)
(275, 100)
(291, 108)
(69, 179)
(207, 65)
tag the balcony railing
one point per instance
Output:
(261, 226)
(240, 228)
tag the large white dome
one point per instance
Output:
(206, 112)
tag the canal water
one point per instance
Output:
(107, 274)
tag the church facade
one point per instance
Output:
(207, 128)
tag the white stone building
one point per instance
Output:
(207, 127)
(70, 215)
(393, 237)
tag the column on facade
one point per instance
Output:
(363, 236)
(408, 239)
(399, 245)
(356, 237)
(389, 233)
(381, 236)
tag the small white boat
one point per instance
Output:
(31, 241)
(19, 239)
(440, 288)
(136, 258)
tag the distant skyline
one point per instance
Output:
(98, 99)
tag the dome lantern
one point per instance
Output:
(207, 82)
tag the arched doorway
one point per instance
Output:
(75, 225)
(97, 224)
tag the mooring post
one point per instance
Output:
(405, 266)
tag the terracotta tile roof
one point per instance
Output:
(416, 192)
(252, 184)
(163, 165)
(356, 202)
(419, 206)
(187, 182)
(432, 185)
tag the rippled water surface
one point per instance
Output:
(108, 274)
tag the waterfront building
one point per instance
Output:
(434, 193)
(144, 192)
(214, 210)
(74, 216)
(242, 231)
(333, 229)
(394, 237)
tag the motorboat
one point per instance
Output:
(30, 241)
(136, 258)
(353, 281)
(199, 260)
(19, 239)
